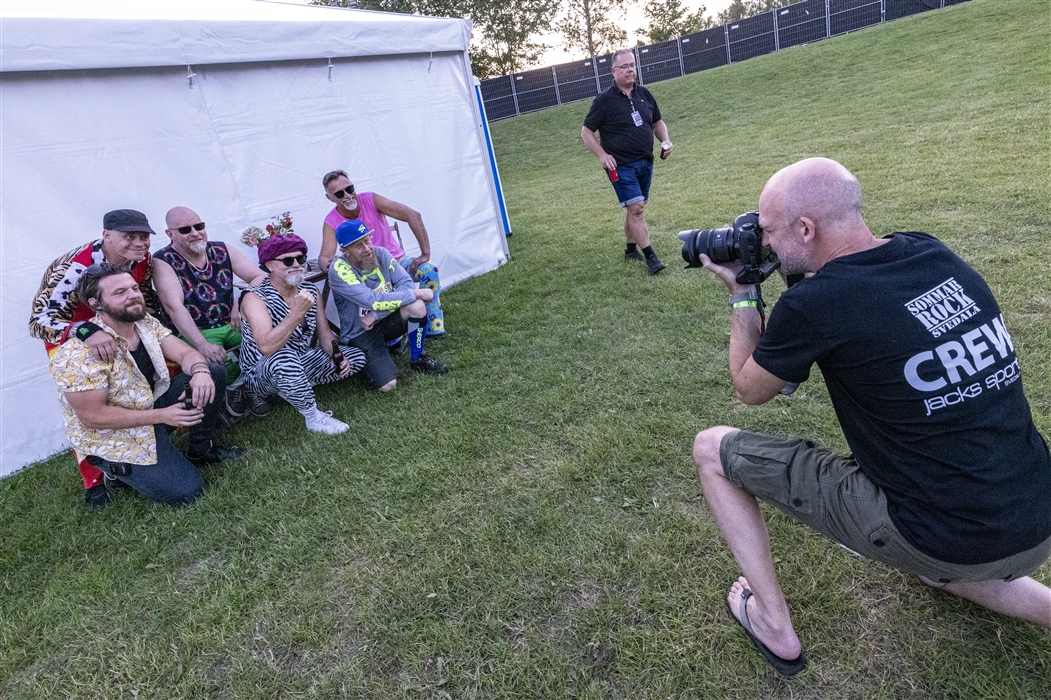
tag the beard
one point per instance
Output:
(294, 278)
(124, 315)
(197, 247)
(794, 259)
(369, 261)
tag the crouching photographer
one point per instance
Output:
(949, 479)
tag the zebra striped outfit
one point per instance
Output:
(293, 371)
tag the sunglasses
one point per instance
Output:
(339, 194)
(301, 259)
(186, 229)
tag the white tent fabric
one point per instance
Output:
(235, 108)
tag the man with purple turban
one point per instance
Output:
(287, 346)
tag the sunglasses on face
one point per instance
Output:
(339, 194)
(301, 259)
(186, 229)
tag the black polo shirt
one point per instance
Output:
(610, 116)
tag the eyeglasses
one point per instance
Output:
(186, 229)
(625, 66)
(340, 194)
(301, 259)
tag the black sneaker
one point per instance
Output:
(258, 406)
(399, 347)
(654, 264)
(235, 402)
(96, 497)
(216, 454)
(428, 365)
(634, 256)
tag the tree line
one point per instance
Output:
(506, 32)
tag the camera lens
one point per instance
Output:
(717, 243)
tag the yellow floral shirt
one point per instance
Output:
(75, 370)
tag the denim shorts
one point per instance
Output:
(830, 494)
(633, 182)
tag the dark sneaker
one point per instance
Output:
(258, 406)
(399, 347)
(235, 402)
(654, 264)
(428, 365)
(97, 496)
(216, 454)
(634, 256)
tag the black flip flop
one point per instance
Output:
(786, 667)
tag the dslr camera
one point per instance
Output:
(743, 241)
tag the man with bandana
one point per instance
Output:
(287, 346)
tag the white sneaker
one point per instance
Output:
(323, 422)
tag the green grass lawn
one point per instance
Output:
(530, 525)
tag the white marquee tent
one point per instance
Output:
(235, 108)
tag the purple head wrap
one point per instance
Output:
(276, 246)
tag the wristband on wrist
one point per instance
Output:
(746, 303)
(200, 371)
(85, 330)
(751, 295)
(195, 365)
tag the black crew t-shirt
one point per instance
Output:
(926, 385)
(610, 116)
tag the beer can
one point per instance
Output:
(613, 177)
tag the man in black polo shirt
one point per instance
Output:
(949, 478)
(627, 117)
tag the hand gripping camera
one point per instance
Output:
(743, 241)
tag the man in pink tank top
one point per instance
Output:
(373, 209)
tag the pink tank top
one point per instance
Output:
(376, 223)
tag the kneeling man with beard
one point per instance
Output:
(287, 346)
(120, 414)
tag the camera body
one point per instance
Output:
(743, 241)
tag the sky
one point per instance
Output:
(633, 20)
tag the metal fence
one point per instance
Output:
(799, 23)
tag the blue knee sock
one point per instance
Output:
(417, 329)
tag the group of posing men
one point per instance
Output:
(108, 313)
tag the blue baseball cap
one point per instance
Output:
(350, 231)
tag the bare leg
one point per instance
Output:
(1024, 598)
(738, 517)
(635, 228)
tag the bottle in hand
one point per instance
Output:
(337, 356)
(187, 401)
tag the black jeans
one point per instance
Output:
(173, 480)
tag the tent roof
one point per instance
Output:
(84, 34)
